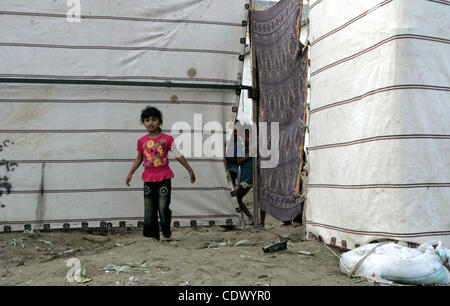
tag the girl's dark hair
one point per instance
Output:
(151, 111)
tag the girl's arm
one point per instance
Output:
(137, 162)
(242, 160)
(180, 158)
(185, 164)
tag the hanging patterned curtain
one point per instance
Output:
(282, 79)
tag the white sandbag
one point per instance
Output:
(443, 253)
(393, 262)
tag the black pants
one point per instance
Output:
(242, 191)
(157, 201)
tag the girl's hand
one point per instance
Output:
(137, 162)
(192, 175)
(128, 180)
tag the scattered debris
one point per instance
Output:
(78, 275)
(66, 252)
(46, 241)
(96, 239)
(85, 280)
(15, 241)
(128, 267)
(243, 243)
(307, 253)
(28, 237)
(274, 247)
(215, 245)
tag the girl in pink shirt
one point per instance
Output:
(153, 149)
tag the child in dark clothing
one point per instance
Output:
(231, 158)
(245, 178)
(153, 149)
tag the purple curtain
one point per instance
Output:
(282, 77)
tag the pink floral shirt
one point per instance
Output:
(156, 157)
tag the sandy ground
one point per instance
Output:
(204, 256)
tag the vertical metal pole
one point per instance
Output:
(256, 210)
(255, 117)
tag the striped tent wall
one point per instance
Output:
(65, 149)
(379, 162)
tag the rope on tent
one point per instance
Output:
(332, 251)
(351, 272)
(365, 256)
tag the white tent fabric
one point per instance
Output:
(379, 166)
(66, 149)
